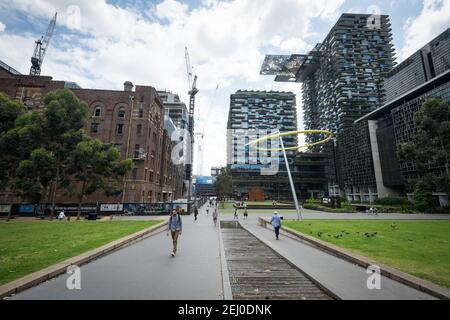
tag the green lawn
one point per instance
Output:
(266, 212)
(421, 248)
(230, 205)
(27, 247)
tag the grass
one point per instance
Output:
(420, 248)
(30, 246)
(343, 209)
(230, 205)
(266, 212)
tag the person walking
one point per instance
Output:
(236, 217)
(175, 227)
(195, 213)
(215, 216)
(276, 224)
(245, 213)
(207, 209)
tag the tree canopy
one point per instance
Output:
(430, 148)
(41, 151)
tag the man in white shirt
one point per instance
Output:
(61, 216)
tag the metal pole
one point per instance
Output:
(299, 215)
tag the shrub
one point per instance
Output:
(392, 201)
(423, 199)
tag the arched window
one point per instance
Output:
(121, 112)
(97, 111)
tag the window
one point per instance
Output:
(118, 147)
(141, 111)
(139, 129)
(137, 152)
(119, 128)
(152, 176)
(97, 111)
(94, 127)
(121, 112)
(134, 174)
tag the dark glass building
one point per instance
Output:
(426, 74)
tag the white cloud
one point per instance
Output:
(172, 10)
(2, 27)
(226, 39)
(434, 19)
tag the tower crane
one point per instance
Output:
(192, 92)
(41, 48)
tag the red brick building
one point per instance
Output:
(131, 120)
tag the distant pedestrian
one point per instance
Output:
(236, 217)
(215, 215)
(276, 224)
(175, 226)
(195, 213)
(245, 213)
(61, 216)
(207, 210)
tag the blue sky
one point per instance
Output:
(143, 41)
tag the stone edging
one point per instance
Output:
(57, 269)
(226, 286)
(394, 274)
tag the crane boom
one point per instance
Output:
(188, 67)
(41, 48)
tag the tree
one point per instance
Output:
(20, 133)
(34, 175)
(9, 111)
(431, 146)
(224, 184)
(95, 166)
(64, 117)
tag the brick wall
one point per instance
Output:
(142, 138)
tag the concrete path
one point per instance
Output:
(346, 280)
(146, 270)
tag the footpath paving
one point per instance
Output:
(146, 270)
(346, 280)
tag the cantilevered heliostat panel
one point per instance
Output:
(284, 67)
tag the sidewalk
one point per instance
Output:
(346, 280)
(146, 270)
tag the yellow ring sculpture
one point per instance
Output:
(284, 134)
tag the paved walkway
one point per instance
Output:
(346, 280)
(146, 270)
